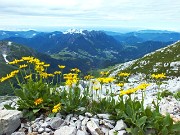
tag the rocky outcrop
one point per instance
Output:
(9, 121)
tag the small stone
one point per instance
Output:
(66, 130)
(47, 119)
(112, 132)
(95, 120)
(44, 125)
(104, 130)
(120, 125)
(56, 122)
(35, 129)
(85, 120)
(18, 133)
(103, 116)
(78, 124)
(108, 125)
(80, 132)
(122, 132)
(88, 114)
(59, 115)
(81, 117)
(40, 130)
(92, 127)
(29, 129)
(47, 130)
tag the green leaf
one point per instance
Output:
(8, 107)
(167, 121)
(164, 131)
(175, 127)
(20, 93)
(129, 111)
(141, 121)
(35, 110)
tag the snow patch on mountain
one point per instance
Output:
(73, 31)
(5, 55)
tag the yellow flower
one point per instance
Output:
(61, 66)
(124, 74)
(158, 76)
(71, 79)
(28, 76)
(120, 84)
(127, 92)
(23, 66)
(88, 77)
(46, 65)
(104, 73)
(38, 101)
(57, 72)
(142, 86)
(96, 88)
(56, 108)
(75, 70)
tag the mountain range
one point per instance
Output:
(97, 49)
(86, 50)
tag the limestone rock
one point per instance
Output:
(56, 122)
(103, 116)
(92, 127)
(120, 125)
(66, 130)
(9, 121)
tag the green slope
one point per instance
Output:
(165, 60)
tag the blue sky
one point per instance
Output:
(113, 15)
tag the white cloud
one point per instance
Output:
(129, 13)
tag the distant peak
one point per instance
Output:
(72, 31)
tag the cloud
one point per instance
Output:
(90, 12)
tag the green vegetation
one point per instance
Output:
(160, 61)
(39, 94)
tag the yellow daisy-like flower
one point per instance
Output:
(23, 66)
(142, 86)
(56, 108)
(75, 70)
(88, 77)
(57, 72)
(28, 76)
(124, 74)
(61, 66)
(46, 65)
(158, 76)
(120, 84)
(38, 101)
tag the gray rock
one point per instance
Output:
(108, 125)
(56, 122)
(29, 129)
(120, 125)
(85, 120)
(47, 130)
(18, 133)
(88, 114)
(66, 130)
(44, 124)
(78, 124)
(112, 132)
(122, 132)
(95, 120)
(103, 116)
(92, 127)
(40, 130)
(81, 117)
(105, 130)
(80, 132)
(9, 121)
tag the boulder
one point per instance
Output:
(9, 121)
